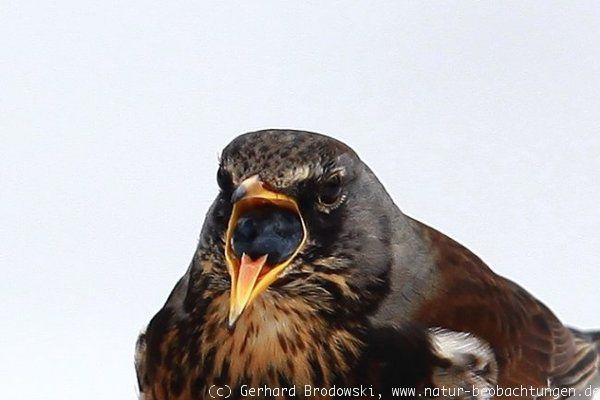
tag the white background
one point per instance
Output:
(481, 118)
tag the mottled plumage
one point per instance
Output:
(350, 305)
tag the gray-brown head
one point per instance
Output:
(299, 213)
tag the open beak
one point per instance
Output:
(249, 277)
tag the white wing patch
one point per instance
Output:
(472, 372)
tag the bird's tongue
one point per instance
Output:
(250, 271)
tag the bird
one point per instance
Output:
(307, 274)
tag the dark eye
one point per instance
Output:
(330, 192)
(224, 180)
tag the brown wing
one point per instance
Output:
(158, 350)
(532, 347)
(140, 362)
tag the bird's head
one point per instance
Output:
(302, 215)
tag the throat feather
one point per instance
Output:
(276, 341)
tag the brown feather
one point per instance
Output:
(532, 347)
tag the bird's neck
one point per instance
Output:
(413, 275)
(276, 342)
(412, 266)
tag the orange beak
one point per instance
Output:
(249, 278)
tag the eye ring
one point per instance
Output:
(331, 194)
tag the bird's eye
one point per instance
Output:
(224, 180)
(330, 193)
